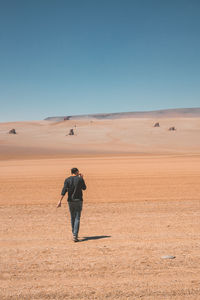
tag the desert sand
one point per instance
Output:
(142, 202)
(118, 136)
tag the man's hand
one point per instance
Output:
(81, 175)
(59, 204)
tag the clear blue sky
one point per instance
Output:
(65, 57)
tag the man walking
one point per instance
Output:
(74, 186)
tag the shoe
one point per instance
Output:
(75, 239)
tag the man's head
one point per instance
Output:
(74, 171)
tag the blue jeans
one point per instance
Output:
(75, 209)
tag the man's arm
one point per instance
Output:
(64, 190)
(83, 185)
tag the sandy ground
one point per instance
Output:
(137, 208)
(142, 202)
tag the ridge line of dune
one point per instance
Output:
(167, 113)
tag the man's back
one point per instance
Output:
(74, 186)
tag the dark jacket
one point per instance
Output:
(74, 186)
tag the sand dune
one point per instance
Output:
(125, 136)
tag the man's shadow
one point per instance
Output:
(97, 237)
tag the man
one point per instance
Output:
(74, 186)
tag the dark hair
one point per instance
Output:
(74, 170)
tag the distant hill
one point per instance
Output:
(164, 113)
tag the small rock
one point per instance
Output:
(172, 128)
(71, 132)
(168, 257)
(12, 131)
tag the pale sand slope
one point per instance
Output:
(136, 135)
(136, 209)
